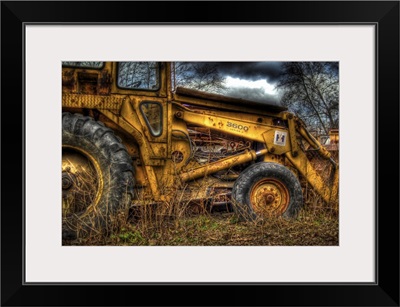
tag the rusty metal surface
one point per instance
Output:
(92, 101)
(104, 85)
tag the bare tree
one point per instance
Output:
(311, 89)
(203, 76)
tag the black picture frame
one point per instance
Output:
(383, 14)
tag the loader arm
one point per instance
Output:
(264, 131)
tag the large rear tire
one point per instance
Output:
(266, 190)
(97, 177)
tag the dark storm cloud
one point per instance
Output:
(251, 70)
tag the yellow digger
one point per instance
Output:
(131, 138)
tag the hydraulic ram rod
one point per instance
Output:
(222, 164)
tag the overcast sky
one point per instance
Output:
(251, 80)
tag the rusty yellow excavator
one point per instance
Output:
(130, 138)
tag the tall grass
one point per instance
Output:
(195, 223)
(188, 221)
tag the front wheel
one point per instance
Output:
(267, 190)
(97, 177)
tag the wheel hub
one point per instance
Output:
(79, 181)
(67, 181)
(269, 197)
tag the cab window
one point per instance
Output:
(152, 113)
(138, 75)
(96, 65)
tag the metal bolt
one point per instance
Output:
(66, 182)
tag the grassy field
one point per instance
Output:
(315, 225)
(180, 224)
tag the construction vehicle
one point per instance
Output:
(130, 138)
